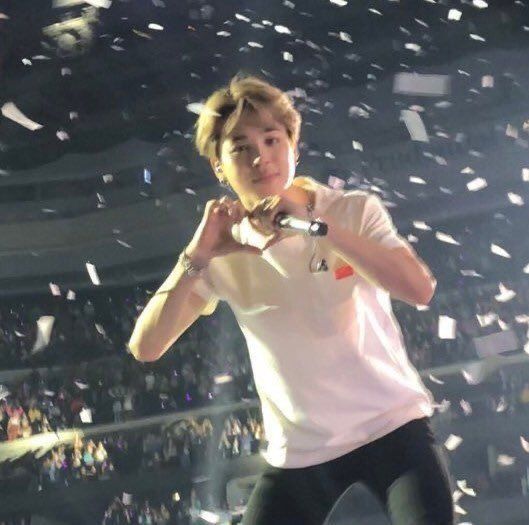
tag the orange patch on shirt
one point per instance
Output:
(343, 271)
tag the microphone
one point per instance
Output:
(312, 228)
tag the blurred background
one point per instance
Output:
(424, 103)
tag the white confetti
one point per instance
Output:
(190, 191)
(107, 178)
(415, 125)
(420, 225)
(515, 199)
(123, 243)
(55, 290)
(65, 71)
(62, 135)
(487, 81)
(358, 146)
(92, 272)
(412, 46)
(155, 27)
(447, 327)
(435, 379)
(10, 111)
(44, 328)
(199, 107)
(477, 184)
(224, 33)
(222, 379)
(452, 442)
(466, 407)
(480, 4)
(417, 180)
(287, 57)
(473, 36)
(422, 307)
(255, 44)
(454, 14)
(505, 294)
(505, 460)
(417, 84)
(526, 269)
(27, 62)
(283, 30)
(238, 16)
(444, 237)
(470, 273)
(498, 250)
(70, 296)
(345, 37)
(339, 3)
(525, 174)
(525, 444)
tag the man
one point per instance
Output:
(341, 402)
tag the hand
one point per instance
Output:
(262, 217)
(213, 236)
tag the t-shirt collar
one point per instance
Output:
(324, 196)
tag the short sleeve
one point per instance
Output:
(205, 290)
(376, 224)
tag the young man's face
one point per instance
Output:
(257, 158)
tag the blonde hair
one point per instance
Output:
(224, 107)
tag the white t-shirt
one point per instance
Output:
(327, 354)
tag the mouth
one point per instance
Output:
(265, 178)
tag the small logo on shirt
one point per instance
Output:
(343, 271)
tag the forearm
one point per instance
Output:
(404, 276)
(160, 322)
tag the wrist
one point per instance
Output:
(195, 257)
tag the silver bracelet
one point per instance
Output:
(189, 267)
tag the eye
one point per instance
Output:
(272, 140)
(237, 149)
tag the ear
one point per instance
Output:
(216, 166)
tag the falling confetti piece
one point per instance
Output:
(199, 108)
(515, 199)
(505, 294)
(444, 237)
(222, 379)
(487, 81)
(283, 30)
(339, 3)
(473, 36)
(466, 407)
(452, 442)
(525, 444)
(417, 180)
(358, 146)
(415, 125)
(155, 27)
(287, 57)
(477, 184)
(55, 290)
(446, 327)
(435, 379)
(498, 250)
(44, 328)
(505, 460)
(425, 85)
(10, 111)
(420, 225)
(92, 272)
(454, 14)
(480, 4)
(62, 135)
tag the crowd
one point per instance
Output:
(117, 390)
(195, 442)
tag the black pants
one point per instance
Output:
(404, 469)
